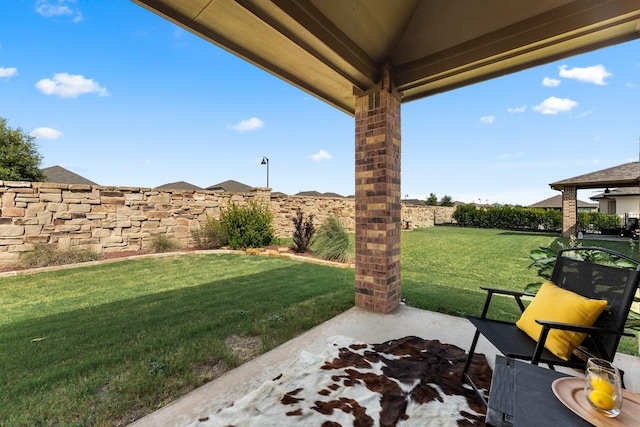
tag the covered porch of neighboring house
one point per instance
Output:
(624, 178)
(367, 58)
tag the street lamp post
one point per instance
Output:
(265, 161)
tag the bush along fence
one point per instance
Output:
(530, 219)
(118, 219)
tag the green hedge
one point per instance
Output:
(521, 218)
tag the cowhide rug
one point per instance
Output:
(404, 382)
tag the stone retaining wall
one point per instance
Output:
(113, 219)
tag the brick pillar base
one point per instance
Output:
(569, 211)
(378, 210)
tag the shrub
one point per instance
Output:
(332, 242)
(248, 226)
(304, 231)
(163, 243)
(211, 236)
(598, 220)
(521, 218)
(47, 255)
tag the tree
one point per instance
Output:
(19, 156)
(432, 200)
(446, 201)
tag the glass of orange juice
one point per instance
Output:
(603, 387)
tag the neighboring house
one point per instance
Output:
(180, 185)
(555, 202)
(317, 194)
(60, 175)
(417, 202)
(621, 201)
(230, 186)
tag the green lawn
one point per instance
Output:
(106, 344)
(438, 262)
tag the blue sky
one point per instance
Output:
(124, 97)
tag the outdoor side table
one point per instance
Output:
(521, 396)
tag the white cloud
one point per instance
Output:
(320, 155)
(549, 82)
(248, 125)
(504, 156)
(52, 8)
(8, 72)
(630, 85)
(520, 109)
(594, 74)
(46, 133)
(67, 85)
(555, 105)
(487, 119)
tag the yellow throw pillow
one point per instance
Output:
(555, 304)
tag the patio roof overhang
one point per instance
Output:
(625, 175)
(333, 49)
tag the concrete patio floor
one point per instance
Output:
(355, 323)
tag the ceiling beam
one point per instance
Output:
(544, 38)
(309, 17)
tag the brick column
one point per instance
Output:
(569, 211)
(377, 146)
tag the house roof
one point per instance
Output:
(231, 186)
(179, 185)
(617, 192)
(413, 202)
(332, 49)
(626, 175)
(313, 193)
(60, 175)
(555, 202)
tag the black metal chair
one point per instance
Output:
(577, 270)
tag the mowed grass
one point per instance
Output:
(444, 267)
(107, 344)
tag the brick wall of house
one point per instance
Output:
(113, 219)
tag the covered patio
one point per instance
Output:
(623, 176)
(367, 58)
(359, 324)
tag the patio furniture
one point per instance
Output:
(562, 317)
(521, 395)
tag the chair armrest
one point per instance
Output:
(506, 292)
(591, 330)
(515, 294)
(580, 328)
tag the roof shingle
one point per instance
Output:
(60, 175)
(626, 175)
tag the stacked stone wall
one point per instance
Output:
(115, 219)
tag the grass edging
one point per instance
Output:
(253, 251)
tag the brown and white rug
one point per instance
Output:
(405, 382)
